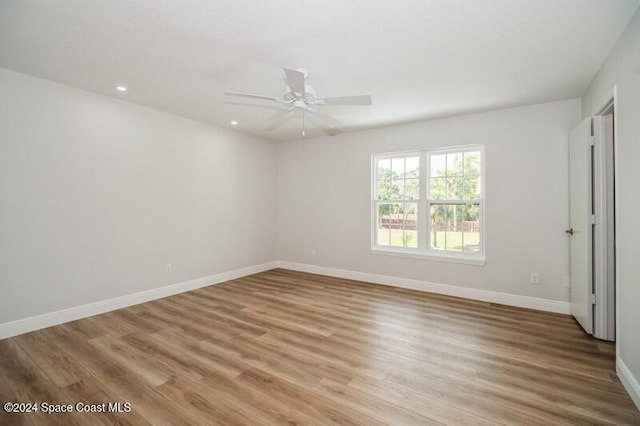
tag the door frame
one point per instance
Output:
(610, 100)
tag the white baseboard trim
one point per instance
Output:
(629, 382)
(27, 325)
(449, 290)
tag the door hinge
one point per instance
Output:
(593, 299)
(592, 141)
(593, 219)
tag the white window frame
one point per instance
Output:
(424, 204)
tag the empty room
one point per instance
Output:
(319, 211)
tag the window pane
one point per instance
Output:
(397, 225)
(438, 165)
(472, 171)
(472, 163)
(397, 167)
(398, 178)
(390, 189)
(438, 188)
(412, 189)
(384, 190)
(397, 190)
(470, 188)
(454, 164)
(383, 178)
(455, 227)
(410, 236)
(412, 168)
(383, 230)
(453, 234)
(471, 228)
(455, 176)
(438, 218)
(454, 188)
(384, 168)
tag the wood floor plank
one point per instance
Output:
(123, 383)
(111, 323)
(53, 362)
(210, 359)
(312, 403)
(30, 385)
(333, 354)
(120, 352)
(434, 406)
(378, 408)
(285, 347)
(175, 358)
(266, 407)
(91, 391)
(200, 404)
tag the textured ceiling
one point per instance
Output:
(419, 59)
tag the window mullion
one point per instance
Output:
(423, 209)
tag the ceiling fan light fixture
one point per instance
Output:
(233, 122)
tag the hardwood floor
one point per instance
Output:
(295, 348)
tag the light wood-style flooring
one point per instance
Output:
(284, 347)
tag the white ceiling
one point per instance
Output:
(419, 59)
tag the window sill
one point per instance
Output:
(452, 258)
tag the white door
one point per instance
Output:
(604, 229)
(580, 213)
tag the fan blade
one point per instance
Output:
(245, 95)
(272, 107)
(295, 80)
(345, 100)
(325, 122)
(277, 119)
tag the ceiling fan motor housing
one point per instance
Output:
(309, 94)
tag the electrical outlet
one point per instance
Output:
(534, 278)
(168, 268)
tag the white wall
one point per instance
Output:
(622, 68)
(324, 199)
(97, 195)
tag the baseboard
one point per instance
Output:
(27, 325)
(449, 290)
(629, 382)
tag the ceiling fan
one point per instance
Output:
(301, 96)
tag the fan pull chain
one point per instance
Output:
(303, 113)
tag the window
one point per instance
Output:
(429, 203)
